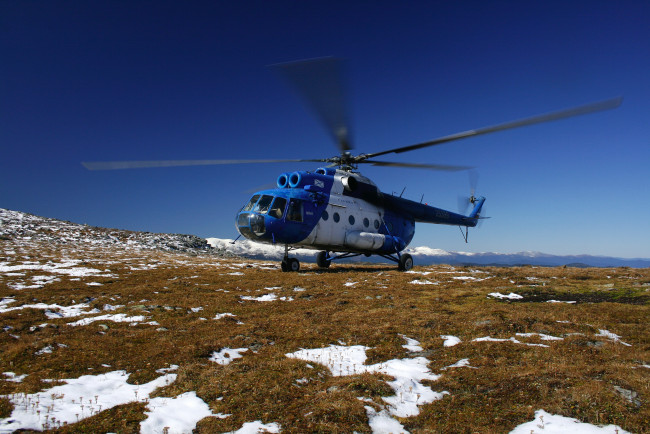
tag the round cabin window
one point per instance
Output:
(351, 220)
(336, 217)
(366, 222)
(325, 215)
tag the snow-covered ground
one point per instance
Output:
(546, 423)
(74, 399)
(88, 395)
(77, 399)
(408, 374)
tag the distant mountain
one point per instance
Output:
(428, 256)
(525, 258)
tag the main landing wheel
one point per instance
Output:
(405, 262)
(290, 264)
(321, 259)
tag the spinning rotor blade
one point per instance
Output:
(482, 219)
(575, 111)
(464, 202)
(417, 165)
(473, 181)
(114, 165)
(320, 83)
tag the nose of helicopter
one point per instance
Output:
(251, 225)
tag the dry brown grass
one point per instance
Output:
(573, 377)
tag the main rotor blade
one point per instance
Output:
(418, 165)
(320, 83)
(473, 182)
(567, 113)
(114, 165)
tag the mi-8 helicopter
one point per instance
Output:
(336, 209)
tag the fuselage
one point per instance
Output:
(336, 210)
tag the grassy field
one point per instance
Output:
(603, 344)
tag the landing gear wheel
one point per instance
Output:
(321, 259)
(290, 264)
(405, 262)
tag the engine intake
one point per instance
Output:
(349, 183)
(283, 180)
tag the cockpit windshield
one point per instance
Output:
(251, 203)
(263, 205)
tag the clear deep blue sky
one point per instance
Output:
(131, 80)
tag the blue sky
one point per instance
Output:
(122, 80)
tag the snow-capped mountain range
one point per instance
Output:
(23, 227)
(427, 256)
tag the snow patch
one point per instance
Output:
(63, 311)
(11, 376)
(227, 355)
(411, 344)
(542, 336)
(553, 424)
(381, 422)
(464, 278)
(119, 317)
(178, 415)
(408, 374)
(513, 340)
(267, 297)
(511, 296)
(257, 427)
(450, 341)
(78, 399)
(614, 337)
(462, 363)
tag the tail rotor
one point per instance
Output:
(464, 202)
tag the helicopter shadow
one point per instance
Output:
(363, 268)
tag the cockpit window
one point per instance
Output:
(295, 210)
(263, 205)
(278, 207)
(253, 201)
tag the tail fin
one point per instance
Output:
(476, 212)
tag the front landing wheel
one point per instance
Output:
(290, 264)
(321, 259)
(405, 262)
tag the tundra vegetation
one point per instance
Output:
(499, 343)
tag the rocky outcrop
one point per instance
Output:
(22, 227)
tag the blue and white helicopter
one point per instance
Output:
(335, 209)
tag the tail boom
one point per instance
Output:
(424, 213)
